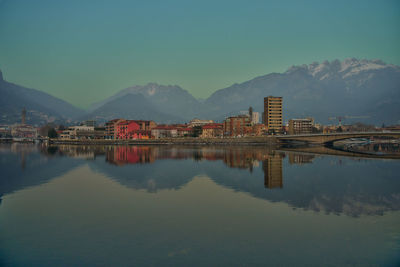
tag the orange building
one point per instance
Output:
(212, 130)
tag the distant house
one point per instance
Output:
(301, 126)
(212, 130)
(198, 122)
(5, 131)
(164, 131)
(83, 132)
(24, 131)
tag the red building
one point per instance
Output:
(129, 129)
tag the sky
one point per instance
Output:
(85, 51)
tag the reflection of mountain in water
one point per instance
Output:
(329, 184)
(351, 189)
(25, 165)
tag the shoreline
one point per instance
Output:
(268, 141)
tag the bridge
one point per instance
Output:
(332, 137)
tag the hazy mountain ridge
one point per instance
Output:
(170, 99)
(130, 106)
(321, 90)
(351, 87)
(41, 107)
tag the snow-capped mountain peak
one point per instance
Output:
(344, 69)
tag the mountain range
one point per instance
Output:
(367, 89)
(41, 107)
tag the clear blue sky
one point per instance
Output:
(83, 51)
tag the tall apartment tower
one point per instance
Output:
(273, 113)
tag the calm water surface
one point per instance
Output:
(188, 206)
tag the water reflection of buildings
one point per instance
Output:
(242, 158)
(331, 192)
(272, 167)
(130, 155)
(297, 158)
(233, 157)
(79, 151)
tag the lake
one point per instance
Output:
(196, 206)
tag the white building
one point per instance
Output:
(73, 131)
(198, 122)
(255, 118)
(164, 132)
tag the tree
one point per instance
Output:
(197, 131)
(52, 133)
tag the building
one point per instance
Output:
(198, 122)
(132, 129)
(5, 131)
(164, 131)
(110, 128)
(273, 113)
(259, 129)
(143, 131)
(301, 126)
(83, 132)
(66, 134)
(146, 125)
(126, 129)
(212, 130)
(237, 126)
(255, 116)
(392, 128)
(24, 131)
(97, 133)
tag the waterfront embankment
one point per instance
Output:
(265, 140)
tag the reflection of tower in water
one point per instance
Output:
(272, 167)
